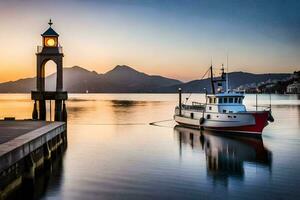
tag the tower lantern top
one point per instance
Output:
(50, 31)
(50, 37)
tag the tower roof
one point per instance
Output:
(50, 31)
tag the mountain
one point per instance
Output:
(236, 79)
(19, 86)
(125, 79)
(121, 79)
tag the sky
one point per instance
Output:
(173, 38)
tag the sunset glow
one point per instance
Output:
(177, 39)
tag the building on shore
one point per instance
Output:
(293, 88)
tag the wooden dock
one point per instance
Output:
(27, 146)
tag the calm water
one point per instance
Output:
(113, 152)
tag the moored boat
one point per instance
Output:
(222, 111)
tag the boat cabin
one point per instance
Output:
(225, 103)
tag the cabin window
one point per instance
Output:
(209, 107)
(224, 111)
(209, 100)
(192, 115)
(208, 116)
(225, 100)
(235, 100)
(215, 100)
(240, 100)
(230, 100)
(220, 100)
(234, 116)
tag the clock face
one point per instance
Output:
(50, 42)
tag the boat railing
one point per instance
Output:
(239, 91)
(58, 49)
(257, 108)
(195, 103)
(197, 106)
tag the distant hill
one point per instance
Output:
(124, 79)
(236, 79)
(121, 79)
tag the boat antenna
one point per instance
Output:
(270, 101)
(227, 81)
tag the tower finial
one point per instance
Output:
(50, 22)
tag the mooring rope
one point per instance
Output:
(108, 124)
(156, 123)
(186, 100)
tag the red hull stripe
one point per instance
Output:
(260, 123)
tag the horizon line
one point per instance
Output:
(183, 81)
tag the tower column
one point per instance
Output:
(40, 86)
(42, 110)
(59, 75)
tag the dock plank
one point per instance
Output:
(12, 129)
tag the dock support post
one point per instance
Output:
(47, 154)
(58, 113)
(256, 101)
(179, 103)
(64, 112)
(34, 112)
(42, 109)
(30, 167)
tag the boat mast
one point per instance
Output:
(227, 76)
(212, 80)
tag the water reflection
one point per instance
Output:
(125, 103)
(108, 159)
(225, 156)
(37, 188)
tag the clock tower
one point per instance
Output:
(50, 50)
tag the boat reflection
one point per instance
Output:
(225, 156)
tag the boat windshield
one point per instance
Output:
(225, 100)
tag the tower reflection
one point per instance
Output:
(225, 156)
